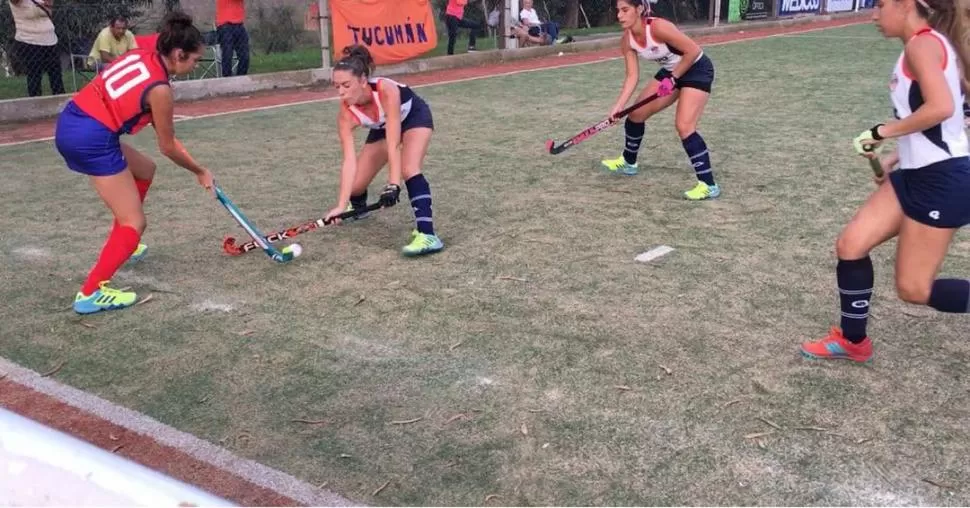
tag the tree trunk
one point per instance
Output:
(572, 14)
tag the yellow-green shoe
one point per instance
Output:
(422, 244)
(703, 191)
(138, 254)
(104, 298)
(619, 165)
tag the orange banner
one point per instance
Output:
(393, 30)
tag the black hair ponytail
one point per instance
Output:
(357, 59)
(178, 32)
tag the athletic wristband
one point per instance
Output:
(875, 132)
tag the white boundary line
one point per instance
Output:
(204, 451)
(182, 118)
(844, 37)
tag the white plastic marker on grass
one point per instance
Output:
(654, 253)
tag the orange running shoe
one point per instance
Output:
(837, 347)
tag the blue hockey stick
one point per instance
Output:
(289, 252)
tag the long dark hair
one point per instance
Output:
(641, 3)
(178, 32)
(357, 60)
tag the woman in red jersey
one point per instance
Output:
(128, 95)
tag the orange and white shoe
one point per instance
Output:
(836, 347)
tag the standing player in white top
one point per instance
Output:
(928, 196)
(686, 76)
(400, 127)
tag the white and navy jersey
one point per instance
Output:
(372, 115)
(946, 140)
(664, 54)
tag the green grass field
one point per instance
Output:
(545, 365)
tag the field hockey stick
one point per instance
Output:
(554, 149)
(289, 252)
(874, 162)
(232, 248)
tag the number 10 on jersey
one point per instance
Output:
(124, 75)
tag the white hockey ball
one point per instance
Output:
(294, 249)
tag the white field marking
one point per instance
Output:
(209, 305)
(857, 37)
(462, 80)
(130, 276)
(188, 444)
(29, 252)
(181, 117)
(654, 253)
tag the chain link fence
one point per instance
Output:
(278, 35)
(48, 47)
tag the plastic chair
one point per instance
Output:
(81, 64)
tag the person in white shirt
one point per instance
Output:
(531, 29)
(528, 15)
(35, 44)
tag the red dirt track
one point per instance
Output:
(138, 448)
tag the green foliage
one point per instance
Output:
(275, 29)
(77, 22)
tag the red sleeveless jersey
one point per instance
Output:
(118, 96)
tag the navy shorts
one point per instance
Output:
(699, 76)
(420, 116)
(935, 195)
(86, 145)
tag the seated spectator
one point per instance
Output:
(113, 41)
(531, 29)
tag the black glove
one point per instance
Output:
(390, 195)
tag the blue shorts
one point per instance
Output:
(86, 145)
(699, 76)
(935, 195)
(419, 116)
